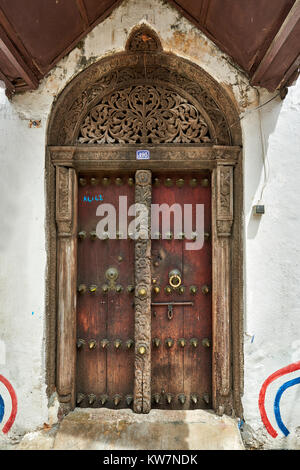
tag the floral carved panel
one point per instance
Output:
(144, 114)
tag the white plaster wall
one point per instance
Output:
(271, 243)
(272, 313)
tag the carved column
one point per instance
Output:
(142, 382)
(223, 208)
(66, 220)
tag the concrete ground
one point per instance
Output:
(103, 429)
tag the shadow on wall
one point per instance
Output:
(261, 125)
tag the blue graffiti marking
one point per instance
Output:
(279, 393)
(2, 409)
(97, 198)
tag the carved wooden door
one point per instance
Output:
(180, 286)
(105, 303)
(181, 299)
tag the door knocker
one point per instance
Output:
(175, 278)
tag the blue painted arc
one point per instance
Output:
(2, 409)
(279, 393)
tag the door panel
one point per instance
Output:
(182, 371)
(105, 371)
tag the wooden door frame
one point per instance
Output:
(225, 165)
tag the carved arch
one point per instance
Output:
(188, 93)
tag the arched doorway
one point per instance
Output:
(145, 102)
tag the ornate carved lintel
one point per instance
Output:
(142, 383)
(96, 157)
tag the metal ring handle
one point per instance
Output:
(175, 280)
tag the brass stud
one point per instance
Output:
(129, 400)
(193, 182)
(157, 236)
(156, 398)
(80, 343)
(156, 182)
(206, 235)
(194, 235)
(168, 236)
(91, 398)
(204, 182)
(169, 398)
(82, 181)
(180, 183)
(94, 181)
(130, 181)
(129, 343)
(169, 342)
(206, 398)
(119, 289)
(130, 288)
(154, 281)
(104, 236)
(168, 290)
(182, 398)
(142, 349)
(181, 236)
(93, 288)
(81, 289)
(103, 399)
(194, 398)
(206, 343)
(182, 342)
(156, 290)
(92, 344)
(82, 235)
(119, 235)
(156, 263)
(193, 290)
(104, 343)
(156, 342)
(120, 258)
(168, 182)
(117, 399)
(80, 398)
(104, 288)
(93, 235)
(118, 343)
(194, 342)
(205, 289)
(119, 181)
(181, 290)
(105, 181)
(142, 292)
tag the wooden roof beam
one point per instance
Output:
(290, 23)
(83, 13)
(13, 56)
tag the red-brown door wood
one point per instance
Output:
(105, 372)
(178, 370)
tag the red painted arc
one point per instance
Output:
(14, 404)
(262, 394)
